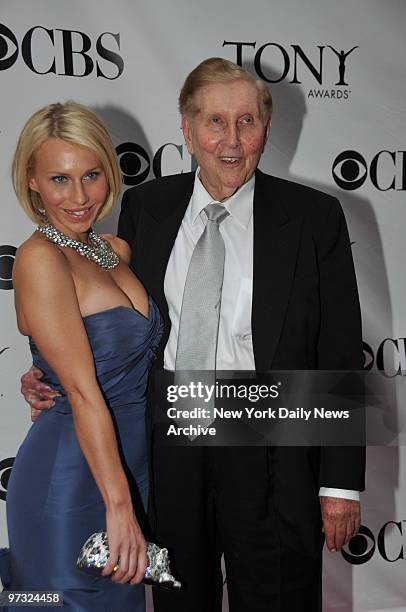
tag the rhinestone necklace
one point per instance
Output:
(99, 250)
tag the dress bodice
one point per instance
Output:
(123, 343)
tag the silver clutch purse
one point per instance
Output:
(95, 553)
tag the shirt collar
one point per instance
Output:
(239, 205)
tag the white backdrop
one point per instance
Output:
(340, 130)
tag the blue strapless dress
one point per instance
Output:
(53, 503)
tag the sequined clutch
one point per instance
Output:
(95, 553)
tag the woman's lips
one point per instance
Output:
(79, 213)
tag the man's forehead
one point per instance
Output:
(224, 97)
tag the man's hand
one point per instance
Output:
(341, 520)
(37, 394)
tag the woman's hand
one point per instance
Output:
(128, 548)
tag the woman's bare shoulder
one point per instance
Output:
(120, 246)
(39, 256)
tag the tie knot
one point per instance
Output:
(216, 212)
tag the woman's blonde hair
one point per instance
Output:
(219, 70)
(76, 124)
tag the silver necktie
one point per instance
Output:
(200, 314)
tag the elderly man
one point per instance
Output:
(278, 254)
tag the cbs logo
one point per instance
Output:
(389, 543)
(7, 255)
(8, 47)
(5, 471)
(389, 357)
(68, 52)
(360, 549)
(136, 163)
(386, 170)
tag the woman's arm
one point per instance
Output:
(46, 299)
(38, 395)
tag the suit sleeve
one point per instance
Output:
(128, 217)
(340, 340)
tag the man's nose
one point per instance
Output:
(233, 136)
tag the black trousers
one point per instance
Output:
(209, 501)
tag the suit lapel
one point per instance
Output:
(276, 240)
(160, 224)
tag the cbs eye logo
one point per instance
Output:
(360, 548)
(134, 163)
(5, 471)
(349, 170)
(386, 170)
(7, 255)
(8, 47)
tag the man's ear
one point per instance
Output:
(186, 125)
(267, 131)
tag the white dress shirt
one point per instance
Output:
(234, 347)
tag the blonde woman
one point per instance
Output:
(93, 332)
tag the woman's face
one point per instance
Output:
(72, 185)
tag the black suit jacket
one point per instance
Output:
(305, 311)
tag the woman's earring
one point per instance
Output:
(43, 213)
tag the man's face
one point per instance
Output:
(227, 135)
